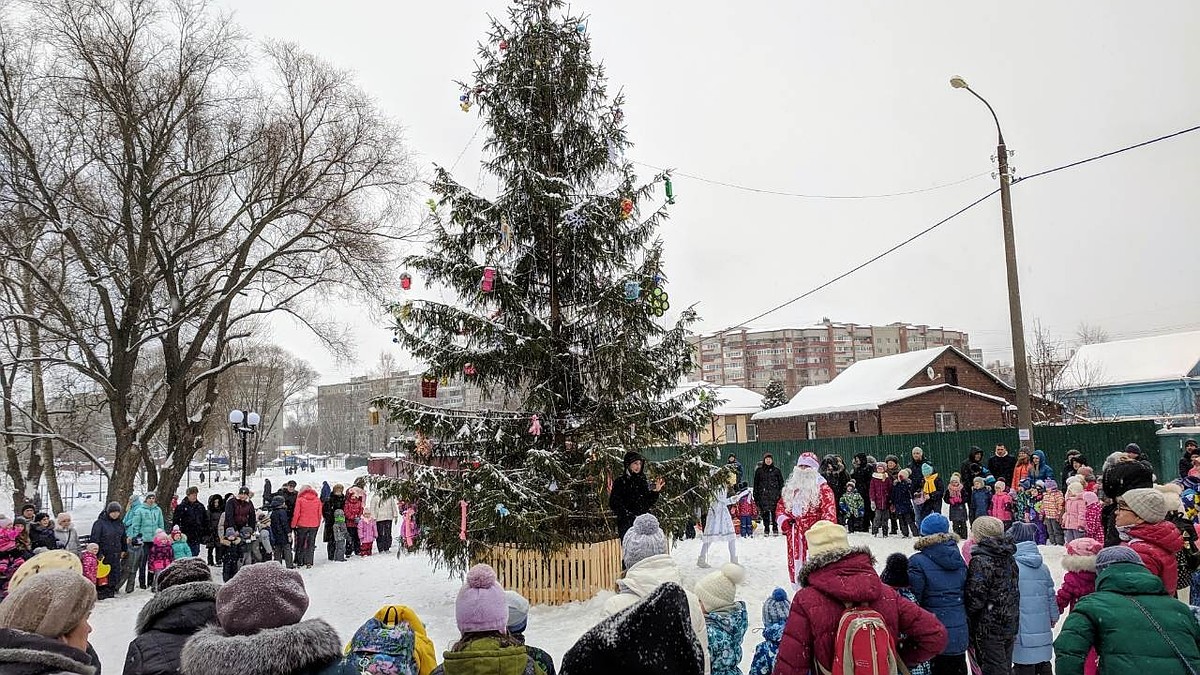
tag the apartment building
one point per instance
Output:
(806, 356)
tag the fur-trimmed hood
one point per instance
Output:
(171, 600)
(942, 550)
(1079, 563)
(923, 543)
(308, 645)
(823, 560)
(31, 654)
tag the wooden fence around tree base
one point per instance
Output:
(575, 573)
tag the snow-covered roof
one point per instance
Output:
(1149, 359)
(734, 400)
(866, 385)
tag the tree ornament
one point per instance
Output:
(553, 486)
(504, 45)
(395, 338)
(406, 281)
(618, 114)
(535, 426)
(431, 204)
(626, 208)
(410, 527)
(505, 234)
(501, 510)
(462, 520)
(581, 28)
(633, 290)
(444, 380)
(658, 301)
(429, 386)
(489, 279)
(424, 447)
(405, 311)
(670, 191)
(469, 369)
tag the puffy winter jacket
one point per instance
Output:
(833, 580)
(24, 653)
(165, 623)
(1002, 506)
(109, 535)
(356, 501)
(767, 651)
(631, 496)
(308, 509)
(642, 579)
(937, 575)
(1073, 511)
(981, 502)
(1076, 584)
(1052, 504)
(1039, 609)
(901, 497)
(192, 519)
(768, 484)
(1002, 467)
(991, 594)
(384, 508)
(1157, 545)
(958, 509)
(1109, 621)
(726, 628)
(144, 520)
(239, 513)
(881, 492)
(281, 529)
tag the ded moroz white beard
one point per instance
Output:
(802, 492)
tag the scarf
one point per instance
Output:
(956, 494)
(930, 484)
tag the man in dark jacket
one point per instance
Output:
(1002, 464)
(1185, 460)
(632, 494)
(937, 575)
(192, 519)
(239, 512)
(861, 473)
(1068, 469)
(972, 468)
(992, 597)
(281, 531)
(834, 577)
(288, 492)
(768, 485)
(835, 474)
(185, 603)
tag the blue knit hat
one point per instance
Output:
(776, 607)
(934, 523)
(1116, 554)
(1023, 532)
(926, 469)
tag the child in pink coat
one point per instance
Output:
(1080, 580)
(161, 555)
(367, 533)
(91, 561)
(1074, 510)
(1002, 504)
(1092, 525)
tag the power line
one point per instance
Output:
(782, 193)
(947, 219)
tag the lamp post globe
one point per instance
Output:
(250, 420)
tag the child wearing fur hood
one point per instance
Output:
(1080, 580)
(1093, 523)
(90, 559)
(161, 554)
(179, 544)
(367, 533)
(1074, 509)
(774, 614)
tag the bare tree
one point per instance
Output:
(1089, 334)
(188, 197)
(1045, 360)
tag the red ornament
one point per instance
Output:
(626, 207)
(469, 369)
(429, 387)
(503, 45)
(406, 281)
(489, 279)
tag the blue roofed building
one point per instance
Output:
(1147, 377)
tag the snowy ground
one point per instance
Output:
(347, 593)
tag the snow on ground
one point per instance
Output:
(346, 594)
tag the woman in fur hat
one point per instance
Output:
(44, 625)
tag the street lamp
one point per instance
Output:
(1017, 323)
(250, 419)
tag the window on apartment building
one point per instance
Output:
(812, 431)
(950, 373)
(751, 433)
(731, 433)
(854, 426)
(945, 421)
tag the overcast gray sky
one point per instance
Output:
(849, 98)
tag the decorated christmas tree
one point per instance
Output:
(775, 395)
(560, 294)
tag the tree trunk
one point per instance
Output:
(41, 415)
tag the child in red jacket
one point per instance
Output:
(746, 510)
(881, 498)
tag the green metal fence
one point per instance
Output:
(948, 450)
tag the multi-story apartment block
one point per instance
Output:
(805, 356)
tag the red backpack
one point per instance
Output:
(863, 646)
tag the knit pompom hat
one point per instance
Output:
(895, 571)
(1117, 554)
(51, 604)
(184, 571)
(1147, 504)
(481, 606)
(934, 523)
(776, 607)
(826, 537)
(1075, 488)
(718, 590)
(518, 611)
(927, 469)
(643, 540)
(259, 597)
(985, 527)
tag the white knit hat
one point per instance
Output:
(718, 590)
(824, 537)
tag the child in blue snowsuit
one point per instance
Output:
(774, 613)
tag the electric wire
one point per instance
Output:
(947, 219)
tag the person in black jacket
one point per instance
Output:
(212, 537)
(185, 603)
(336, 502)
(632, 494)
(281, 531)
(768, 485)
(1185, 460)
(1068, 469)
(108, 532)
(41, 533)
(834, 473)
(1121, 474)
(192, 519)
(1002, 464)
(289, 494)
(972, 468)
(992, 597)
(863, 468)
(239, 512)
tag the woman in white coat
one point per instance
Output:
(385, 510)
